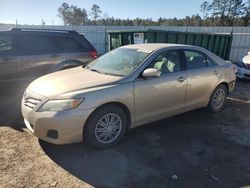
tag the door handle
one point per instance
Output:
(181, 79)
(216, 72)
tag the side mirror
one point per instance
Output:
(151, 72)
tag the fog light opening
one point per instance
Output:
(52, 134)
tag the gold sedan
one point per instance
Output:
(123, 89)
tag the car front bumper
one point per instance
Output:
(243, 73)
(62, 127)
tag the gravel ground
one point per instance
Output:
(195, 149)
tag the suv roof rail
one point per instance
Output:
(44, 30)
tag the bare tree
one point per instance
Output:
(96, 12)
(205, 8)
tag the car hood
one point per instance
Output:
(70, 80)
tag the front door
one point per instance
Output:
(159, 97)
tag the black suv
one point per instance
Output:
(26, 54)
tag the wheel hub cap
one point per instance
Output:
(108, 128)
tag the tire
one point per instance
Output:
(218, 99)
(97, 127)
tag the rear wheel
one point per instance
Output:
(218, 99)
(106, 127)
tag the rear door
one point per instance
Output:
(156, 98)
(37, 55)
(7, 57)
(203, 76)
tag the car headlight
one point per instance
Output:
(60, 105)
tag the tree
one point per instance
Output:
(96, 12)
(205, 8)
(63, 13)
(72, 15)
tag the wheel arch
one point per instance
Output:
(119, 104)
(225, 84)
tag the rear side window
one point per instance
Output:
(195, 59)
(69, 44)
(36, 44)
(5, 43)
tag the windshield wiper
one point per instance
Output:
(95, 70)
(101, 72)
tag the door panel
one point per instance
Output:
(30, 67)
(201, 83)
(203, 76)
(161, 97)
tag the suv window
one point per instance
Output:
(5, 43)
(69, 44)
(36, 44)
(167, 62)
(195, 59)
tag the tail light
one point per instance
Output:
(93, 54)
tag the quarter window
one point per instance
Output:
(5, 43)
(167, 62)
(195, 60)
(70, 44)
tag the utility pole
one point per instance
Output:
(16, 22)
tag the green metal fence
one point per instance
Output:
(219, 44)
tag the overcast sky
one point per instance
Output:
(33, 11)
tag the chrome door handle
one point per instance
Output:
(181, 79)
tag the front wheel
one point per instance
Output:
(106, 127)
(218, 99)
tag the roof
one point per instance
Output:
(146, 30)
(40, 30)
(154, 46)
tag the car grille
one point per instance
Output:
(31, 102)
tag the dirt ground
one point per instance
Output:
(195, 149)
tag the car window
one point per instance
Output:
(5, 43)
(195, 59)
(35, 44)
(167, 62)
(69, 44)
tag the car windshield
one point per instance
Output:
(119, 62)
